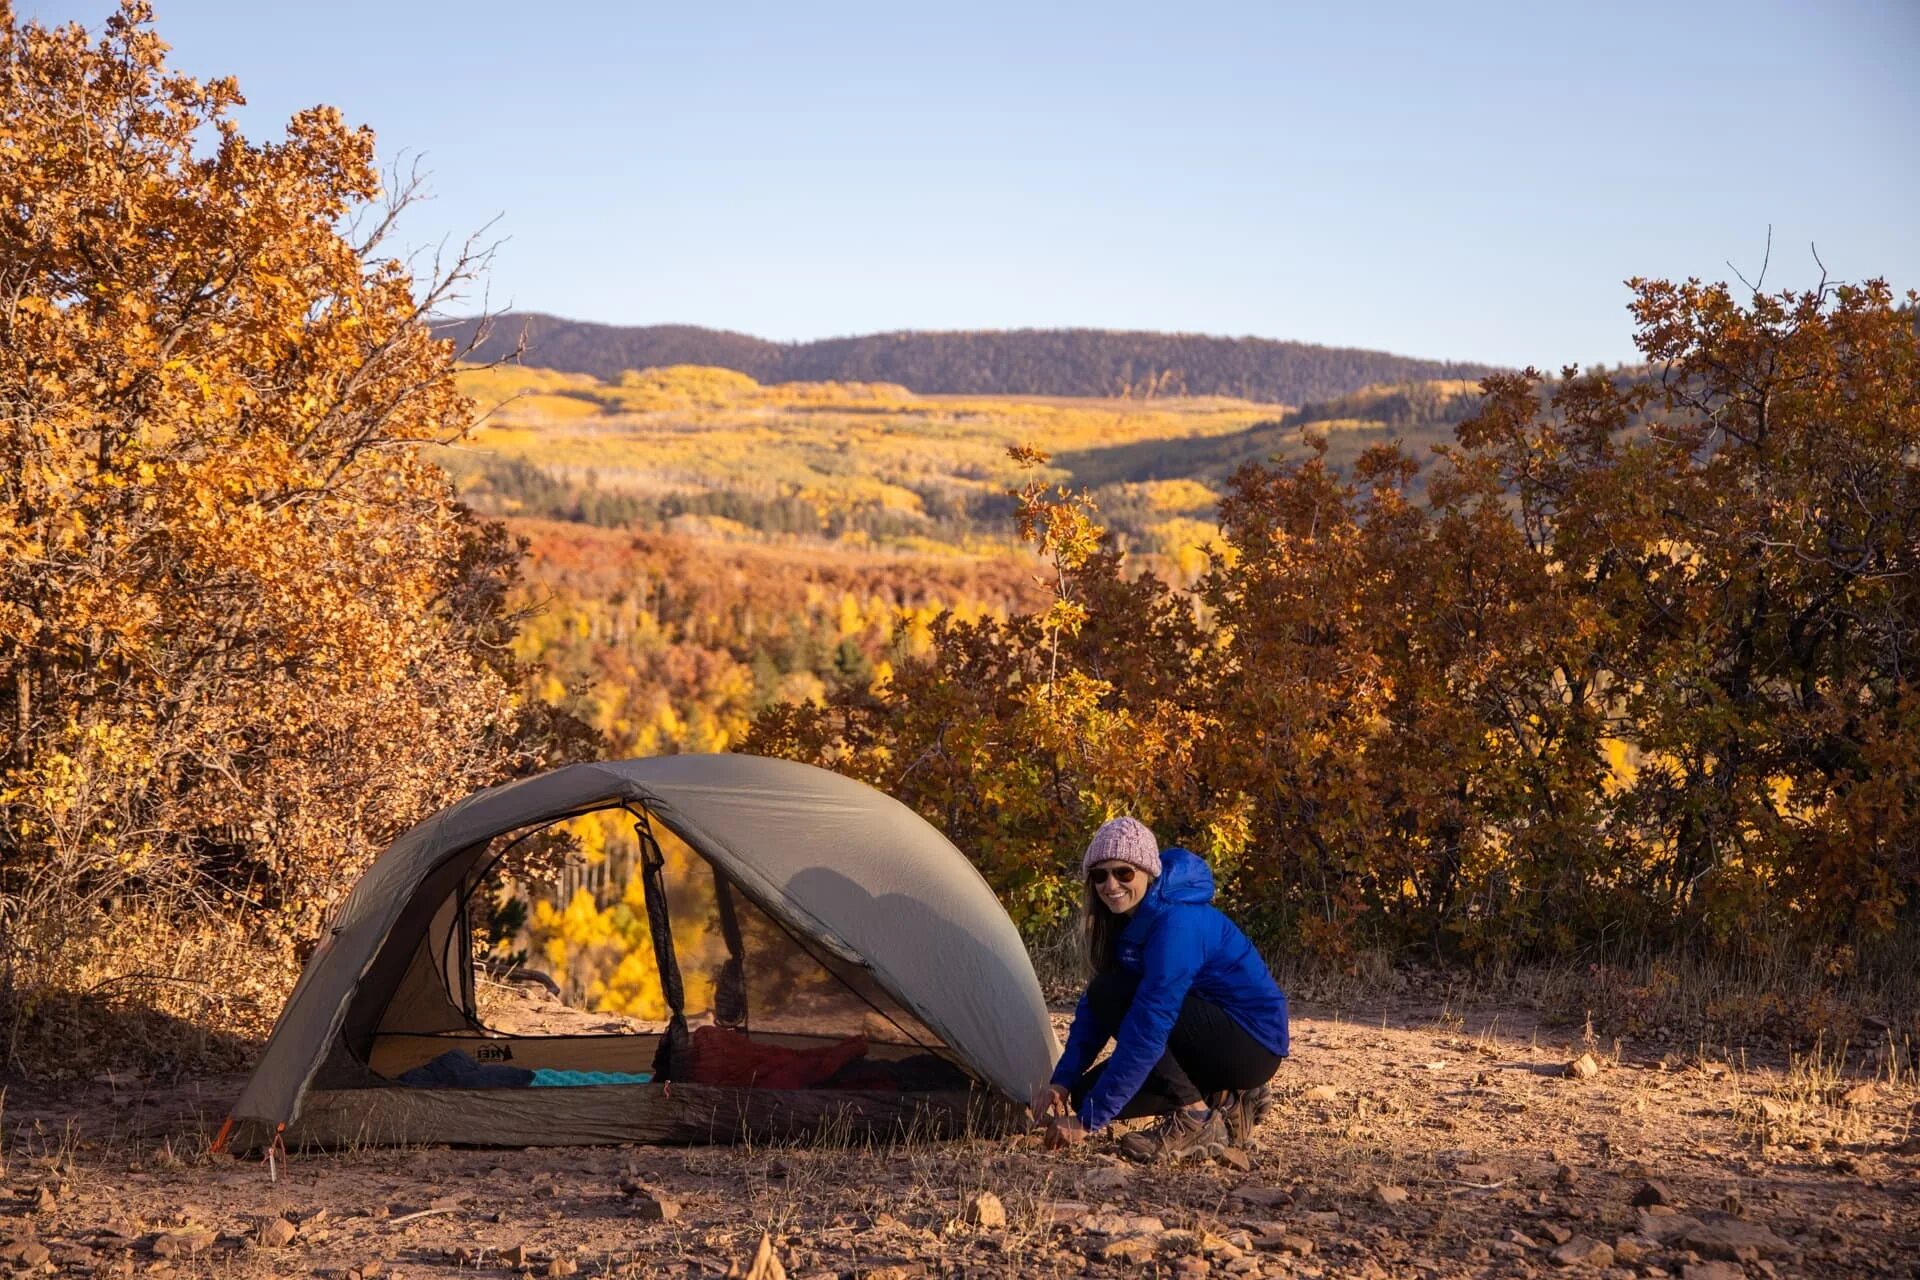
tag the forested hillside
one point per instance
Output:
(1050, 362)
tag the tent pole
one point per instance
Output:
(653, 883)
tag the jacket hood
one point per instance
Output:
(1184, 879)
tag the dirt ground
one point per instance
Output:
(1417, 1144)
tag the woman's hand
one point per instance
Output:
(1064, 1131)
(1050, 1100)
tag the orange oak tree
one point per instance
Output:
(246, 633)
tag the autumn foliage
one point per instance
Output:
(246, 633)
(1632, 662)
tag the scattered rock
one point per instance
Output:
(767, 1264)
(1121, 1224)
(1322, 1093)
(44, 1201)
(1566, 1175)
(1292, 1242)
(276, 1233)
(1522, 1239)
(1628, 1249)
(1136, 1249)
(516, 1257)
(1555, 1232)
(1861, 1095)
(1219, 1247)
(1727, 1238)
(1651, 1193)
(986, 1212)
(1064, 1212)
(1265, 1197)
(25, 1252)
(1237, 1158)
(1479, 1173)
(177, 1244)
(652, 1206)
(1583, 1251)
(1105, 1178)
(559, 1266)
(1712, 1271)
(1383, 1193)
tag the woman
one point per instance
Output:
(1197, 1022)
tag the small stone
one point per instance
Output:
(986, 1212)
(1728, 1238)
(516, 1257)
(1121, 1224)
(1298, 1245)
(559, 1266)
(1583, 1251)
(1566, 1175)
(1651, 1193)
(1383, 1193)
(1237, 1158)
(654, 1207)
(1584, 1067)
(1861, 1095)
(1322, 1093)
(276, 1233)
(1555, 1232)
(1712, 1271)
(1219, 1248)
(1265, 1197)
(1627, 1249)
(176, 1244)
(1134, 1249)
(27, 1253)
(44, 1201)
(1105, 1178)
(1522, 1239)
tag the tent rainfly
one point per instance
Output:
(857, 939)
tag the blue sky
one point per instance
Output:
(1467, 181)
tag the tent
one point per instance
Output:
(833, 900)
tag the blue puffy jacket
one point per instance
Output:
(1175, 942)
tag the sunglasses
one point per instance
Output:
(1098, 876)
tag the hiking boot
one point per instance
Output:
(1179, 1136)
(1240, 1110)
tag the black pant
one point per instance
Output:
(1207, 1051)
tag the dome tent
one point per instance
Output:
(849, 880)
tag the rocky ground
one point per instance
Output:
(1413, 1144)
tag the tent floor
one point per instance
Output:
(603, 1114)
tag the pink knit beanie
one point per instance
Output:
(1123, 840)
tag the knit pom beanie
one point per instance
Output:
(1123, 840)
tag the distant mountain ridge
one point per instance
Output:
(1047, 362)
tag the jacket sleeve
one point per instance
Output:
(1172, 958)
(1080, 1047)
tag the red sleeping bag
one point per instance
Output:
(717, 1055)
